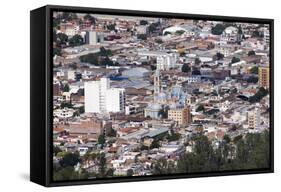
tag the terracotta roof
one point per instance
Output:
(128, 129)
(58, 129)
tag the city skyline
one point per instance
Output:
(140, 96)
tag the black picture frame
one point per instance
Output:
(41, 93)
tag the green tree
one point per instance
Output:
(262, 92)
(91, 58)
(226, 138)
(69, 159)
(250, 53)
(200, 108)
(257, 34)
(110, 172)
(252, 79)
(163, 113)
(65, 174)
(66, 88)
(162, 167)
(143, 22)
(197, 61)
(56, 150)
(104, 61)
(142, 36)
(152, 27)
(68, 16)
(101, 139)
(57, 51)
(249, 152)
(188, 163)
(254, 70)
(130, 172)
(153, 67)
(61, 39)
(111, 27)
(105, 52)
(159, 41)
(167, 33)
(218, 56)
(240, 31)
(185, 68)
(204, 158)
(76, 40)
(155, 144)
(66, 105)
(99, 59)
(218, 29)
(81, 110)
(173, 136)
(237, 138)
(101, 165)
(90, 18)
(235, 60)
(179, 32)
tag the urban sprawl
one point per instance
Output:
(140, 96)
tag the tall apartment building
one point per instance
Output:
(93, 37)
(101, 98)
(180, 115)
(253, 118)
(264, 74)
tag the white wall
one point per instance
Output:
(113, 100)
(92, 97)
(14, 158)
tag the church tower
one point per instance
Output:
(156, 82)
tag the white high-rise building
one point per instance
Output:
(92, 96)
(100, 98)
(93, 37)
(115, 100)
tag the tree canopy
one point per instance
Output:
(235, 60)
(100, 59)
(218, 29)
(262, 92)
(69, 159)
(143, 22)
(76, 40)
(61, 39)
(90, 18)
(197, 61)
(218, 56)
(249, 152)
(250, 53)
(254, 70)
(185, 68)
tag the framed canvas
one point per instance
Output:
(125, 95)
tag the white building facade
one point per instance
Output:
(93, 37)
(100, 98)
